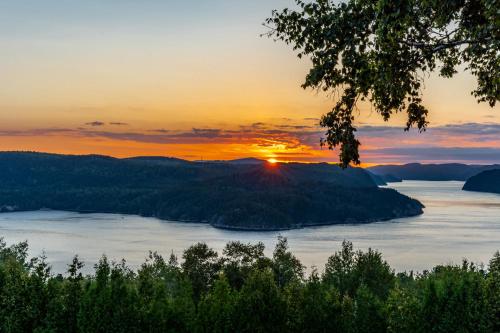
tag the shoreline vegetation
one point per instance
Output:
(486, 181)
(238, 195)
(243, 290)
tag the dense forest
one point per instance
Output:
(486, 181)
(242, 290)
(239, 195)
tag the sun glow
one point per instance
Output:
(272, 160)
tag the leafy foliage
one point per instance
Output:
(381, 50)
(242, 290)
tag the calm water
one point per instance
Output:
(456, 224)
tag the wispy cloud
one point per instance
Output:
(95, 123)
(468, 142)
(484, 155)
(468, 134)
(160, 130)
(38, 132)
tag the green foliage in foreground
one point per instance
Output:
(242, 290)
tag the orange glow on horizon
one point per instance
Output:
(275, 141)
(121, 91)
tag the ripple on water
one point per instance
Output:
(456, 224)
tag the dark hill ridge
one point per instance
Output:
(249, 160)
(383, 179)
(227, 195)
(432, 172)
(157, 159)
(486, 181)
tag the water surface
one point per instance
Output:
(456, 224)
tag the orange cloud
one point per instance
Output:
(282, 140)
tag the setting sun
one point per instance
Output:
(260, 166)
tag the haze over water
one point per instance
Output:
(456, 224)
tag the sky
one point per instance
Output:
(195, 80)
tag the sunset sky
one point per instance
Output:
(194, 79)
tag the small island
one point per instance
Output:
(257, 195)
(486, 181)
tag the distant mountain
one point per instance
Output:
(383, 179)
(389, 178)
(249, 160)
(436, 172)
(227, 195)
(377, 179)
(157, 160)
(486, 181)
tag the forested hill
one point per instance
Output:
(433, 172)
(486, 181)
(257, 196)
